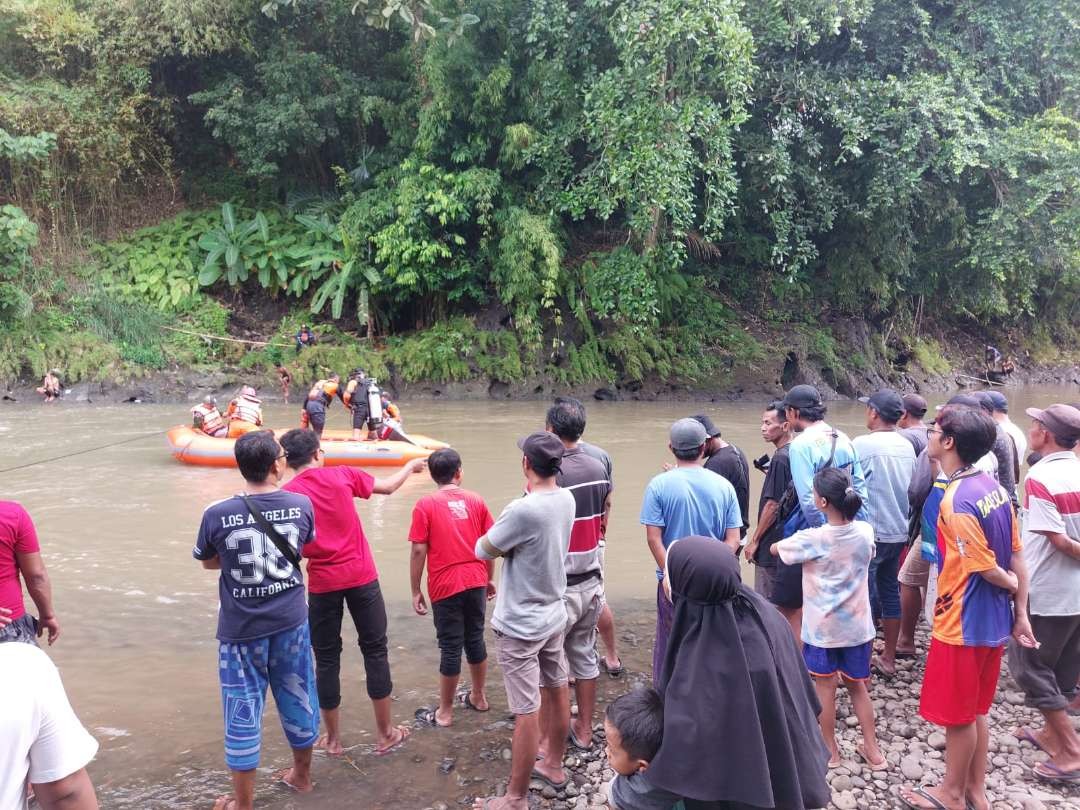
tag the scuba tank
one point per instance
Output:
(374, 400)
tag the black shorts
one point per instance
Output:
(360, 418)
(316, 412)
(459, 622)
(786, 586)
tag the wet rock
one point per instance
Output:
(447, 765)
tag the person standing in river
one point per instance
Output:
(20, 556)
(255, 540)
(443, 533)
(605, 627)
(341, 572)
(587, 480)
(684, 501)
(532, 535)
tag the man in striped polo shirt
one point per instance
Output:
(588, 480)
(1048, 674)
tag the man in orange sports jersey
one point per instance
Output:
(982, 573)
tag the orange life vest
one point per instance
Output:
(245, 409)
(213, 422)
(325, 390)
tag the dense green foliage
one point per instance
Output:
(597, 188)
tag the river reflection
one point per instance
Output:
(137, 613)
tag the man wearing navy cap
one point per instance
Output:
(1001, 416)
(888, 462)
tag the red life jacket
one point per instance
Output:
(246, 409)
(213, 422)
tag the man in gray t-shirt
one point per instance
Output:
(888, 462)
(532, 535)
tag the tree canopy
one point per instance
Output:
(612, 174)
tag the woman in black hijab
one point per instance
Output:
(740, 712)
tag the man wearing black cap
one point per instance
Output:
(816, 445)
(1008, 462)
(911, 423)
(1051, 532)
(730, 462)
(888, 461)
(532, 535)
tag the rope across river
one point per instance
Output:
(83, 452)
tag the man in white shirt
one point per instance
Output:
(42, 742)
(1001, 416)
(1048, 674)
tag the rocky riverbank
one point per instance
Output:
(913, 747)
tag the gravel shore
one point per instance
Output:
(913, 747)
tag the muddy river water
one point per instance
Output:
(137, 613)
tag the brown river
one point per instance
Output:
(137, 613)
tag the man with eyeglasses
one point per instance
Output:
(982, 573)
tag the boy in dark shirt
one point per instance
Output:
(728, 461)
(255, 539)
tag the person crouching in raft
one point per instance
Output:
(318, 400)
(207, 418)
(244, 413)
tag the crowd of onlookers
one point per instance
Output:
(854, 539)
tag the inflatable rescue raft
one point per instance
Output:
(195, 447)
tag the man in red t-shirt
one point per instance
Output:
(341, 572)
(444, 531)
(20, 555)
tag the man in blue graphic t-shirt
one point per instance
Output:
(262, 621)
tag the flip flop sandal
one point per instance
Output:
(935, 804)
(875, 666)
(279, 779)
(466, 701)
(1024, 735)
(860, 751)
(425, 716)
(1057, 774)
(382, 752)
(571, 738)
(616, 671)
(548, 781)
(906, 656)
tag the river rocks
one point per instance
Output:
(911, 767)
(936, 741)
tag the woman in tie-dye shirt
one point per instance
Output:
(837, 626)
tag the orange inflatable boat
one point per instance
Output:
(195, 447)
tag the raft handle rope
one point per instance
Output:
(128, 440)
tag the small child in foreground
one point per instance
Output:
(634, 728)
(837, 627)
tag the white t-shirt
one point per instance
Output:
(1018, 436)
(1052, 504)
(41, 739)
(836, 593)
